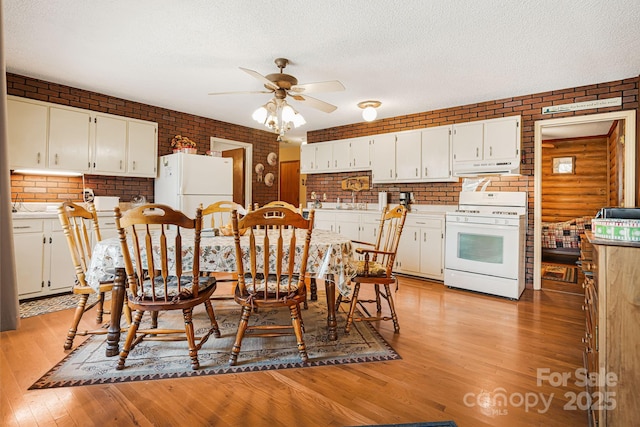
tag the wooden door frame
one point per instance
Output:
(221, 144)
(629, 117)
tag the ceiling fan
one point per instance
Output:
(283, 85)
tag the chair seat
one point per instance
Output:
(375, 269)
(204, 284)
(272, 284)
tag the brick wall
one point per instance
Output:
(528, 106)
(30, 188)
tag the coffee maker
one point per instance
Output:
(406, 199)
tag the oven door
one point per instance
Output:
(492, 250)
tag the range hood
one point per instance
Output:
(487, 167)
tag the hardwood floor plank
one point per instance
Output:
(459, 351)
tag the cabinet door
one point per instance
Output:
(431, 261)
(28, 244)
(27, 134)
(436, 153)
(467, 141)
(408, 255)
(307, 158)
(69, 136)
(348, 224)
(109, 144)
(341, 155)
(324, 156)
(142, 146)
(58, 265)
(324, 220)
(360, 153)
(383, 160)
(502, 138)
(408, 155)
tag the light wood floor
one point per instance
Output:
(459, 351)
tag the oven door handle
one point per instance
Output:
(483, 227)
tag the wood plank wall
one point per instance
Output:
(583, 193)
(616, 165)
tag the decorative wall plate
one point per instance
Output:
(272, 159)
(269, 179)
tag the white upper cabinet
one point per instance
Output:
(436, 154)
(343, 155)
(110, 144)
(45, 136)
(307, 158)
(487, 146)
(69, 139)
(383, 158)
(142, 153)
(27, 133)
(408, 148)
(467, 141)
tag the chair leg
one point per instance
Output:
(190, 332)
(378, 303)
(100, 311)
(352, 307)
(242, 327)
(133, 328)
(392, 307)
(212, 318)
(296, 322)
(77, 315)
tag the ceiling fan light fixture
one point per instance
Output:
(260, 115)
(298, 120)
(287, 113)
(369, 112)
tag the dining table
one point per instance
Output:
(330, 259)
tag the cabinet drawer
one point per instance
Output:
(27, 226)
(423, 222)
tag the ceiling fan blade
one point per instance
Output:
(328, 86)
(241, 92)
(315, 103)
(265, 81)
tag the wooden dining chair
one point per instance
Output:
(271, 271)
(78, 224)
(283, 204)
(376, 270)
(218, 216)
(152, 285)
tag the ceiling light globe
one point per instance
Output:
(287, 114)
(260, 115)
(369, 114)
(298, 120)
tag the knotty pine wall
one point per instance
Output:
(52, 189)
(583, 193)
(528, 106)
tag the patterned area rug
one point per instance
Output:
(151, 360)
(560, 273)
(40, 306)
(423, 424)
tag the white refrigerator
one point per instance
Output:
(187, 180)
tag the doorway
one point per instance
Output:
(628, 118)
(289, 182)
(221, 144)
(237, 155)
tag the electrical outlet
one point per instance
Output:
(87, 195)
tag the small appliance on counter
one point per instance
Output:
(406, 198)
(105, 203)
(383, 199)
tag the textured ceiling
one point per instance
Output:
(412, 55)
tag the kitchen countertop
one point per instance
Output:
(43, 211)
(373, 208)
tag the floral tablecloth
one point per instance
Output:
(329, 254)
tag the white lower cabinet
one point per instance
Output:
(43, 262)
(421, 248)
